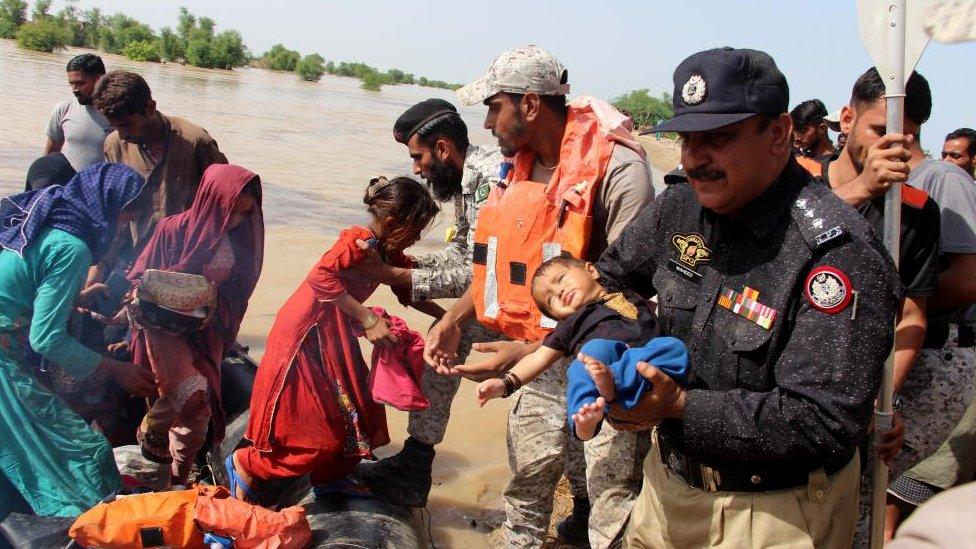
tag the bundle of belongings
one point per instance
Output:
(138, 473)
(173, 302)
(190, 518)
(395, 378)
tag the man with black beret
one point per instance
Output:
(786, 300)
(455, 170)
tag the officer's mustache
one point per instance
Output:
(705, 173)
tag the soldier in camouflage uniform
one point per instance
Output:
(540, 447)
(437, 140)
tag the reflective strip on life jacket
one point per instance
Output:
(532, 222)
(491, 279)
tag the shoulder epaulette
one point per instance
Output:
(816, 218)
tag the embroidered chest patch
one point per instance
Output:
(691, 249)
(828, 289)
(746, 304)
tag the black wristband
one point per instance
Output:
(512, 383)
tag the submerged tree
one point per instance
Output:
(42, 35)
(142, 50)
(228, 50)
(171, 47)
(280, 58)
(311, 68)
(117, 31)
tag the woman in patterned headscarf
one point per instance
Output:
(51, 462)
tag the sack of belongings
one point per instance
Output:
(138, 473)
(174, 302)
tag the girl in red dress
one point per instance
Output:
(311, 410)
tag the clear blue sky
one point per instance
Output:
(608, 46)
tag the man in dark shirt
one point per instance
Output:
(786, 300)
(810, 139)
(861, 173)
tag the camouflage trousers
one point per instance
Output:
(540, 447)
(428, 426)
(934, 398)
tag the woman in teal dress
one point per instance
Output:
(50, 459)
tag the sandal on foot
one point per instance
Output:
(234, 480)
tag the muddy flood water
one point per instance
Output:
(315, 146)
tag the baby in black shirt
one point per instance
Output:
(614, 331)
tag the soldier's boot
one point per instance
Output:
(404, 478)
(574, 528)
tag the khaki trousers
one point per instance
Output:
(669, 513)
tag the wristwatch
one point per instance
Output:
(370, 321)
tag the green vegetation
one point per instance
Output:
(644, 109)
(13, 14)
(42, 35)
(171, 46)
(372, 81)
(373, 78)
(118, 31)
(203, 48)
(311, 68)
(142, 50)
(193, 40)
(279, 58)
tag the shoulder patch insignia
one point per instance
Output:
(482, 192)
(828, 289)
(691, 249)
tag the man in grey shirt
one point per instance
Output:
(77, 129)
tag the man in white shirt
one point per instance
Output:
(77, 129)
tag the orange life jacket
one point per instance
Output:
(810, 164)
(526, 223)
(144, 520)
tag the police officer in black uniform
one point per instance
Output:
(786, 300)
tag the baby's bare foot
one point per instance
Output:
(588, 418)
(603, 378)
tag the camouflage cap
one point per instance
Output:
(521, 70)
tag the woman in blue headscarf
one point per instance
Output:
(50, 459)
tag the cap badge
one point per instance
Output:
(694, 90)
